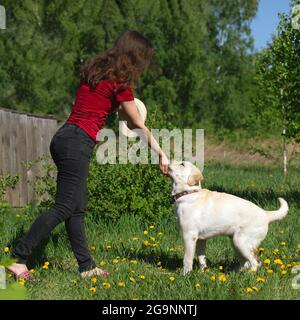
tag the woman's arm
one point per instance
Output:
(130, 113)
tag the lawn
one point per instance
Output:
(145, 258)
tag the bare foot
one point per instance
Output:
(94, 272)
(17, 268)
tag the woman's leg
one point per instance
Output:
(76, 232)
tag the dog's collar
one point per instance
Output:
(183, 193)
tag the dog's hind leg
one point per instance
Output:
(246, 249)
(189, 253)
(200, 250)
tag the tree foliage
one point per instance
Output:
(278, 70)
(203, 67)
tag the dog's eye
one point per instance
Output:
(182, 164)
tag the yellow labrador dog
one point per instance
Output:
(203, 214)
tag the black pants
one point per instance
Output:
(71, 149)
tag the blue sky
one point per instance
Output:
(266, 20)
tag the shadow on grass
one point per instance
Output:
(173, 262)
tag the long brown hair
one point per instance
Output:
(123, 63)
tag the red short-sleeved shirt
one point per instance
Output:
(92, 106)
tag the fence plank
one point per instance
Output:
(22, 156)
(14, 157)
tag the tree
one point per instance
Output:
(278, 76)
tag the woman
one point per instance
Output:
(106, 82)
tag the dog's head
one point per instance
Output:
(185, 172)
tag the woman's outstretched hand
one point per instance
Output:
(164, 164)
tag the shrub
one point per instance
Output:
(114, 190)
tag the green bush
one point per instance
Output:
(7, 181)
(115, 190)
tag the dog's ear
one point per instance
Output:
(195, 178)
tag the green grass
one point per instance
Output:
(109, 241)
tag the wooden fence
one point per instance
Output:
(23, 137)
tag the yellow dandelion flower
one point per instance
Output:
(146, 243)
(145, 232)
(222, 277)
(93, 289)
(269, 271)
(298, 246)
(108, 247)
(267, 261)
(46, 263)
(197, 285)
(133, 261)
(131, 271)
(32, 271)
(158, 263)
(172, 279)
(93, 248)
(6, 249)
(45, 267)
(124, 259)
(283, 243)
(142, 276)
(106, 285)
(160, 234)
(94, 280)
(288, 265)
(151, 227)
(132, 279)
(255, 288)
(278, 261)
(152, 239)
(261, 280)
(22, 282)
(249, 290)
(115, 260)
(261, 249)
(121, 284)
(102, 263)
(212, 278)
(282, 267)
(283, 272)
(276, 251)
(221, 268)
(135, 238)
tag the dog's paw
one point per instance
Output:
(203, 268)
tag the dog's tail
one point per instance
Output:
(280, 213)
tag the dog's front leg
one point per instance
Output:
(189, 253)
(200, 248)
